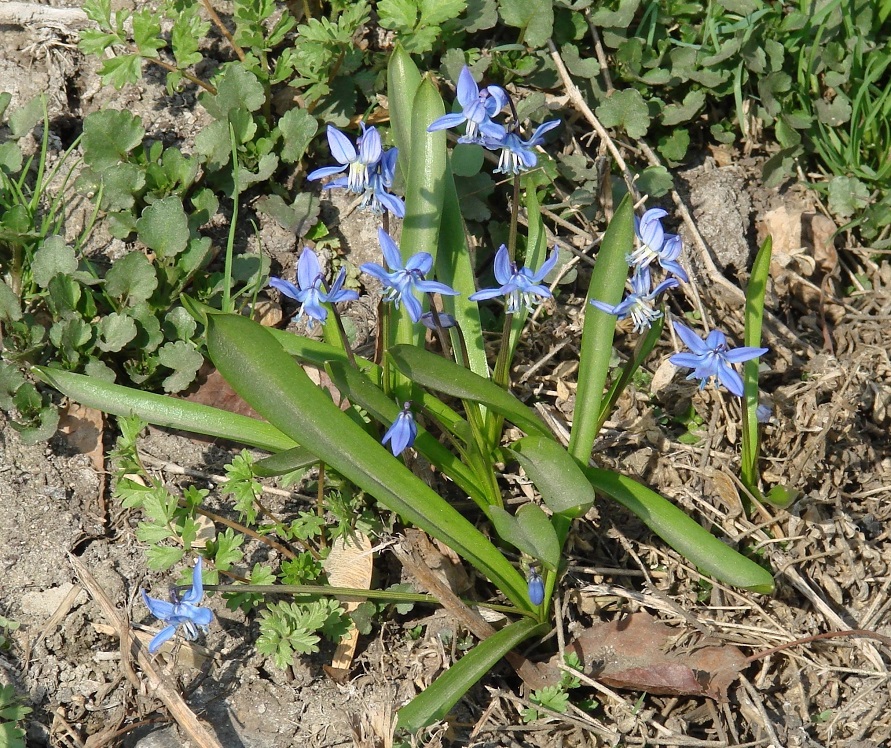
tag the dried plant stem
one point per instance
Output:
(223, 30)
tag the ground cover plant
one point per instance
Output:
(463, 174)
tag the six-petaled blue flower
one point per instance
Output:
(477, 109)
(535, 587)
(520, 286)
(655, 244)
(402, 432)
(517, 155)
(310, 289)
(181, 612)
(711, 359)
(401, 281)
(370, 169)
(639, 303)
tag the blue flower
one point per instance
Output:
(182, 611)
(310, 288)
(445, 320)
(711, 358)
(401, 281)
(639, 302)
(477, 109)
(370, 169)
(402, 432)
(655, 244)
(536, 587)
(520, 286)
(517, 155)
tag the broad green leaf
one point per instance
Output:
(121, 182)
(298, 128)
(427, 369)
(164, 227)
(109, 136)
(530, 531)
(625, 109)
(403, 80)
(278, 388)
(299, 217)
(435, 702)
(24, 118)
(674, 114)
(607, 283)
(237, 87)
(682, 533)
(115, 331)
(185, 361)
(165, 411)
(10, 305)
(286, 461)
(52, 258)
(535, 18)
(555, 473)
(847, 195)
(131, 279)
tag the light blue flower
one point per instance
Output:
(535, 587)
(402, 432)
(358, 161)
(477, 109)
(445, 321)
(401, 281)
(181, 612)
(711, 359)
(310, 289)
(520, 286)
(378, 197)
(639, 303)
(517, 155)
(655, 244)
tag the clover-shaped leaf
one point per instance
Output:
(164, 227)
(131, 279)
(185, 361)
(52, 258)
(115, 331)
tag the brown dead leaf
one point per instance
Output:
(635, 652)
(83, 427)
(440, 559)
(211, 389)
(349, 564)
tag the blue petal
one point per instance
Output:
(391, 252)
(715, 340)
(446, 121)
(375, 270)
(392, 203)
(426, 286)
(370, 150)
(308, 269)
(287, 288)
(468, 91)
(504, 270)
(745, 353)
(202, 616)
(535, 588)
(730, 379)
(335, 183)
(161, 637)
(341, 148)
(686, 360)
(497, 100)
(544, 127)
(325, 171)
(673, 267)
(547, 267)
(160, 609)
(420, 262)
(691, 339)
(412, 306)
(608, 308)
(485, 293)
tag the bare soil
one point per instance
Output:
(828, 381)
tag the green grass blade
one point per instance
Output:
(754, 316)
(163, 410)
(607, 283)
(440, 696)
(677, 529)
(276, 386)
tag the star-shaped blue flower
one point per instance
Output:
(477, 109)
(711, 359)
(402, 432)
(520, 286)
(310, 289)
(370, 169)
(401, 281)
(517, 155)
(181, 612)
(639, 303)
(655, 244)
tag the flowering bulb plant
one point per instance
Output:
(451, 404)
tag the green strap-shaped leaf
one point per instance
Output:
(438, 699)
(429, 370)
(557, 476)
(165, 411)
(403, 79)
(361, 391)
(687, 537)
(607, 282)
(754, 316)
(287, 461)
(529, 531)
(276, 386)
